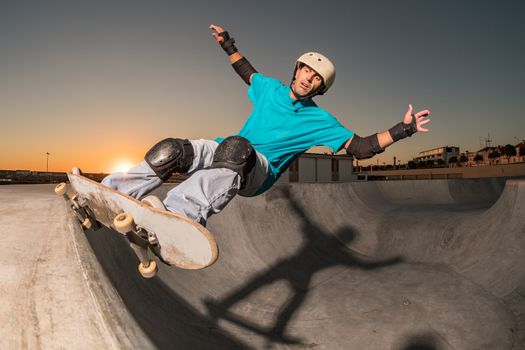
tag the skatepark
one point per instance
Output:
(417, 264)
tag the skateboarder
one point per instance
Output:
(284, 123)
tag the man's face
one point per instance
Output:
(306, 81)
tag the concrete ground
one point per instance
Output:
(54, 294)
(400, 265)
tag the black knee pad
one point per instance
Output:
(170, 156)
(235, 153)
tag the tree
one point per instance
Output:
(522, 151)
(453, 160)
(430, 163)
(508, 151)
(494, 154)
(440, 163)
(478, 158)
(463, 158)
(412, 164)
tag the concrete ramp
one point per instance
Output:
(379, 265)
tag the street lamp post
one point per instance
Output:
(47, 166)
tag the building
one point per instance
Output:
(443, 153)
(311, 167)
(483, 156)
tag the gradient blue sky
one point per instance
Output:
(98, 82)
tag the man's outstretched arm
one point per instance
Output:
(367, 147)
(239, 63)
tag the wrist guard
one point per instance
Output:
(402, 130)
(228, 44)
(364, 147)
(244, 69)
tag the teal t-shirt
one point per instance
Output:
(282, 130)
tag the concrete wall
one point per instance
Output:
(459, 172)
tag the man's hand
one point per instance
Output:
(223, 38)
(419, 116)
(217, 29)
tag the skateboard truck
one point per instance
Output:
(79, 206)
(139, 240)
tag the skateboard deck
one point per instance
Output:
(177, 240)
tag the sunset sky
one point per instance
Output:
(96, 83)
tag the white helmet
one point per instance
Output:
(322, 65)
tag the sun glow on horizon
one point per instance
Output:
(122, 167)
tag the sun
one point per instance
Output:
(122, 167)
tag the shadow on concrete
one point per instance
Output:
(320, 250)
(422, 342)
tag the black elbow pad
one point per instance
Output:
(244, 69)
(364, 147)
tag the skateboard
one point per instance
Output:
(147, 225)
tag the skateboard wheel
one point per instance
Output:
(123, 222)
(150, 271)
(61, 189)
(87, 223)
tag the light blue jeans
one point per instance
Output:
(207, 191)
